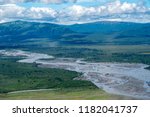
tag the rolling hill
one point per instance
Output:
(21, 33)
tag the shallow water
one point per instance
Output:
(118, 78)
(28, 56)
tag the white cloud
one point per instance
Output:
(61, 1)
(76, 13)
(12, 12)
(112, 8)
(118, 7)
(40, 13)
(81, 13)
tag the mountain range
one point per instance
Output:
(21, 33)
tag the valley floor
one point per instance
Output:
(125, 79)
(71, 94)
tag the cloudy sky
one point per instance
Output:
(75, 11)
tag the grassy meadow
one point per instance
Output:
(64, 94)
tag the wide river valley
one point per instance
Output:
(116, 78)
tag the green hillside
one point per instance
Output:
(25, 34)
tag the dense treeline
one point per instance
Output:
(18, 76)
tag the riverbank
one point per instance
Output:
(116, 78)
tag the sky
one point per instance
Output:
(75, 11)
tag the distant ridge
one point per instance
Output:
(96, 33)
